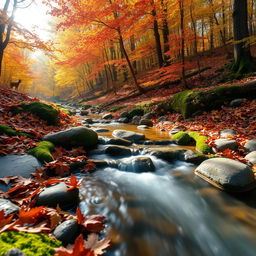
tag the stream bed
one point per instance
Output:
(167, 212)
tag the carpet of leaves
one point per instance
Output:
(241, 119)
(24, 191)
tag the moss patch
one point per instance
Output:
(189, 138)
(86, 106)
(30, 244)
(44, 111)
(5, 129)
(43, 151)
(115, 108)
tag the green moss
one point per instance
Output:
(42, 110)
(43, 151)
(86, 106)
(29, 244)
(5, 129)
(188, 138)
(115, 108)
(136, 112)
(61, 108)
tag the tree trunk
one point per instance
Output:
(165, 33)
(243, 60)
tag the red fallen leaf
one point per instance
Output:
(92, 223)
(32, 215)
(4, 220)
(90, 166)
(52, 181)
(96, 245)
(38, 228)
(73, 183)
(13, 190)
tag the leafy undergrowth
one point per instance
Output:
(24, 191)
(241, 119)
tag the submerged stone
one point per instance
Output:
(167, 154)
(115, 150)
(128, 135)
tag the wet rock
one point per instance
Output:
(167, 154)
(159, 142)
(88, 121)
(104, 163)
(58, 195)
(236, 103)
(222, 144)
(84, 113)
(162, 119)
(125, 114)
(124, 120)
(67, 231)
(15, 252)
(22, 165)
(168, 122)
(143, 164)
(136, 119)
(128, 135)
(118, 150)
(121, 142)
(192, 157)
(227, 133)
(227, 174)
(142, 127)
(107, 116)
(8, 207)
(74, 137)
(146, 122)
(251, 157)
(100, 130)
(250, 145)
(176, 129)
(148, 116)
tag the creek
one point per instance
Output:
(167, 212)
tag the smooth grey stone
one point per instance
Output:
(125, 114)
(251, 157)
(192, 157)
(136, 118)
(128, 135)
(67, 231)
(159, 142)
(18, 165)
(222, 144)
(148, 116)
(88, 121)
(121, 142)
(236, 103)
(74, 137)
(227, 132)
(250, 145)
(146, 122)
(8, 206)
(124, 120)
(100, 130)
(227, 173)
(15, 252)
(142, 127)
(167, 154)
(58, 194)
(142, 164)
(162, 119)
(107, 116)
(115, 150)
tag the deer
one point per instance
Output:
(15, 85)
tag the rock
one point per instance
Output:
(125, 114)
(162, 119)
(159, 142)
(168, 122)
(128, 135)
(124, 120)
(104, 164)
(250, 145)
(227, 174)
(67, 232)
(192, 157)
(167, 154)
(58, 194)
(101, 130)
(136, 119)
(88, 121)
(22, 165)
(43, 151)
(146, 122)
(107, 116)
(140, 164)
(121, 142)
(236, 103)
(118, 151)
(148, 116)
(15, 252)
(227, 133)
(8, 207)
(251, 157)
(176, 129)
(84, 113)
(222, 144)
(74, 137)
(142, 127)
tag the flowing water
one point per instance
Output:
(168, 212)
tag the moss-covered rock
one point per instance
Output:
(189, 138)
(115, 108)
(136, 112)
(43, 151)
(86, 106)
(188, 103)
(5, 129)
(29, 244)
(44, 111)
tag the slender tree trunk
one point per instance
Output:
(121, 42)
(165, 33)
(242, 55)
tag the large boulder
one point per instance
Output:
(222, 144)
(58, 195)
(107, 116)
(114, 150)
(251, 157)
(139, 164)
(250, 145)
(146, 122)
(124, 120)
(227, 174)
(74, 137)
(22, 165)
(128, 135)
